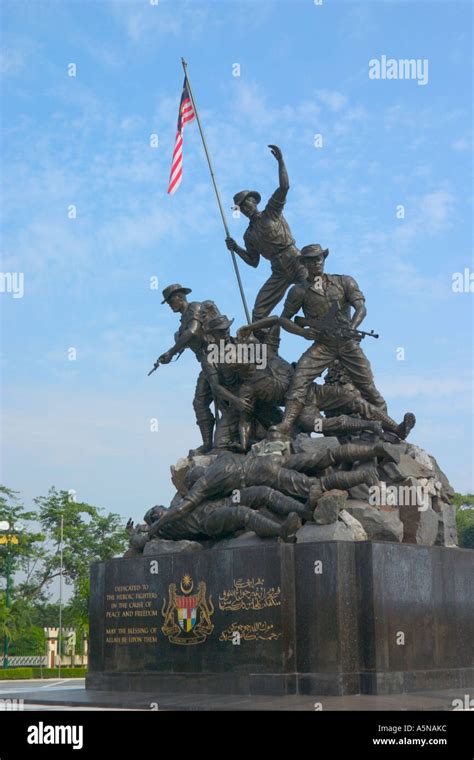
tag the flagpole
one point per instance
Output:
(216, 190)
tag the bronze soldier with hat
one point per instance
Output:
(268, 235)
(322, 292)
(301, 476)
(191, 334)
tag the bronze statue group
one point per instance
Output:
(252, 405)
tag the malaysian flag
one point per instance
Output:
(185, 115)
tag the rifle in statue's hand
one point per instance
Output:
(154, 368)
(333, 325)
(161, 360)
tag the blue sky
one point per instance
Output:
(84, 140)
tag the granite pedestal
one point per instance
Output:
(327, 618)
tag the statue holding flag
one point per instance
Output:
(260, 467)
(268, 235)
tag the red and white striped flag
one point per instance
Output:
(185, 115)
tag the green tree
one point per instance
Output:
(465, 519)
(88, 536)
(19, 546)
(28, 641)
(22, 542)
(14, 618)
(78, 607)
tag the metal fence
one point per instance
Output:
(33, 660)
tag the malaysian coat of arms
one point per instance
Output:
(187, 616)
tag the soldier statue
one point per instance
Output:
(192, 334)
(339, 339)
(223, 517)
(223, 381)
(340, 400)
(295, 475)
(269, 235)
(253, 392)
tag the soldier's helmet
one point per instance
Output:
(240, 197)
(312, 250)
(219, 323)
(175, 288)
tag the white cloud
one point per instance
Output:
(332, 98)
(127, 180)
(462, 144)
(427, 386)
(11, 62)
(358, 23)
(146, 22)
(436, 210)
(425, 216)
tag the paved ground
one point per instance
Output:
(70, 694)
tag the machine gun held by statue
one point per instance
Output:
(334, 325)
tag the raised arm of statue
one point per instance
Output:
(283, 180)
